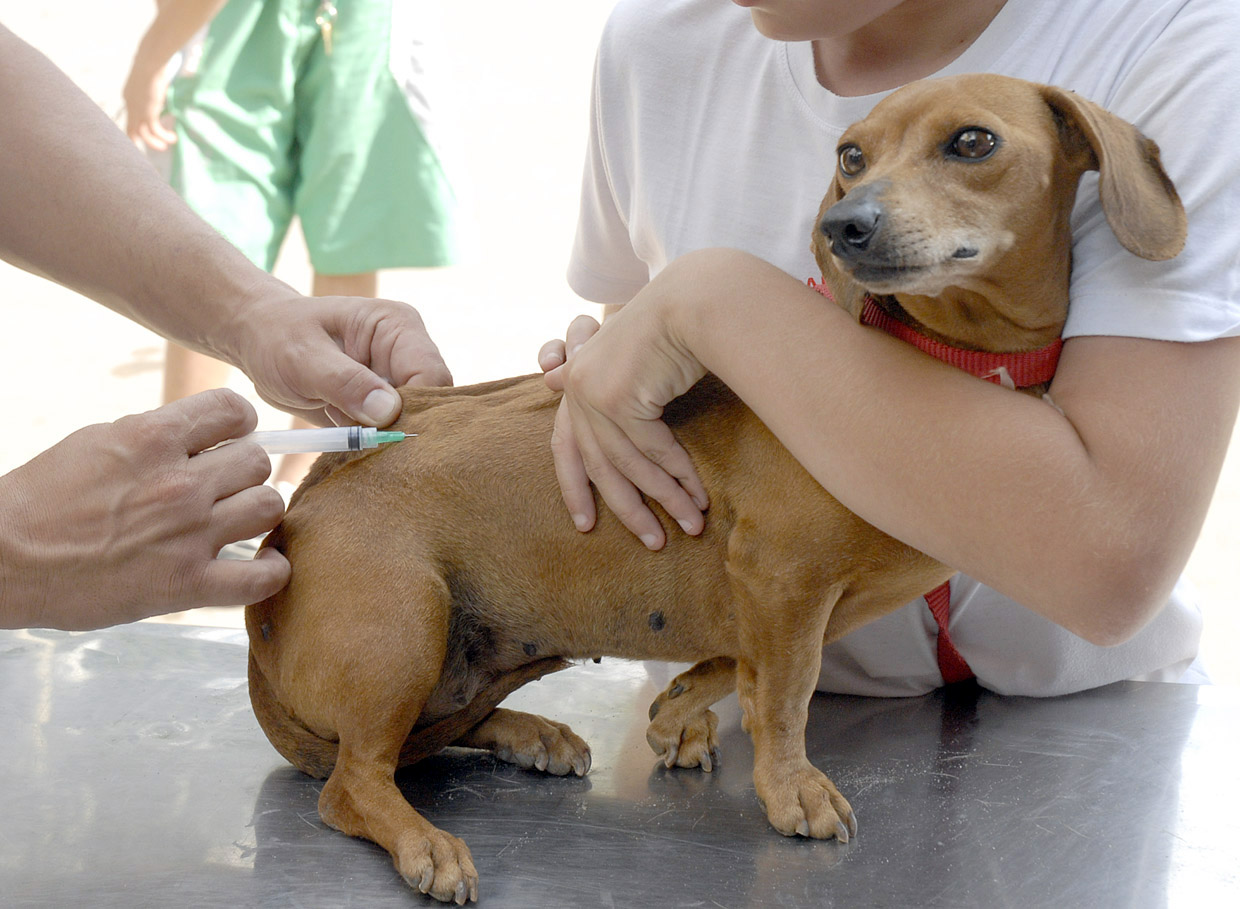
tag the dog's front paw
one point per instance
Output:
(533, 742)
(805, 802)
(684, 741)
(437, 864)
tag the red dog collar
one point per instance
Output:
(1012, 370)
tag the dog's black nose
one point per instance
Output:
(852, 223)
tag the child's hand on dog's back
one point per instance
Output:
(626, 450)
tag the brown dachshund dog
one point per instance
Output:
(433, 577)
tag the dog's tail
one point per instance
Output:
(316, 756)
(308, 752)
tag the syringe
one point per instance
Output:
(332, 438)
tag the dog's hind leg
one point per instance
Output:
(361, 799)
(375, 704)
(530, 741)
(683, 730)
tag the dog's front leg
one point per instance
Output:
(799, 798)
(781, 620)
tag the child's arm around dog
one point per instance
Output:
(1085, 515)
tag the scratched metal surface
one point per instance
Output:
(137, 776)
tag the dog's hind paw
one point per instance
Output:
(439, 865)
(532, 742)
(682, 741)
(683, 730)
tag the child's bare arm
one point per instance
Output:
(175, 23)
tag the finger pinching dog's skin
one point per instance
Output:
(432, 578)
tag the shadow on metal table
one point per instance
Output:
(137, 776)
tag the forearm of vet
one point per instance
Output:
(81, 206)
(1086, 512)
(14, 600)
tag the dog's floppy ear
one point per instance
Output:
(847, 293)
(1138, 198)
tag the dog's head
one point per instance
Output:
(954, 196)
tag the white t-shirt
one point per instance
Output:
(704, 133)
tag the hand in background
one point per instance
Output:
(146, 88)
(145, 92)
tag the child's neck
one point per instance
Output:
(914, 40)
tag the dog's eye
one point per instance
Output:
(973, 143)
(852, 161)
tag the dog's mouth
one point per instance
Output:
(885, 276)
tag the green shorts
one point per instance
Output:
(270, 125)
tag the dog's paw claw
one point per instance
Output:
(581, 764)
(669, 757)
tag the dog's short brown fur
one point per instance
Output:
(433, 577)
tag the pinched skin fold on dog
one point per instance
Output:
(432, 578)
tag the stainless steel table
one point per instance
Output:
(137, 776)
